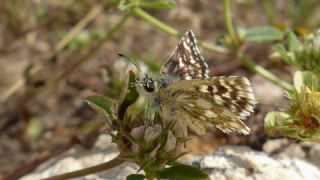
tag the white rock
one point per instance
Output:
(271, 146)
(79, 158)
(313, 152)
(261, 88)
(230, 162)
(293, 150)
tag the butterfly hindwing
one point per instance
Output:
(218, 101)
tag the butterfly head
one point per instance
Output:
(146, 84)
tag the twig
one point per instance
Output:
(59, 47)
(94, 169)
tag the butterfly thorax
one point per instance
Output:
(154, 88)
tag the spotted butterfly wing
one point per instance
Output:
(216, 101)
(186, 61)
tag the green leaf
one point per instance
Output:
(128, 96)
(103, 105)
(124, 5)
(179, 172)
(294, 43)
(158, 4)
(263, 34)
(305, 78)
(135, 177)
(279, 48)
(285, 130)
(304, 137)
(272, 119)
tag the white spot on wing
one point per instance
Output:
(228, 114)
(188, 77)
(204, 103)
(211, 114)
(181, 64)
(203, 88)
(183, 96)
(185, 45)
(218, 99)
(214, 89)
(226, 94)
(190, 104)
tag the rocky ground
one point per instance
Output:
(281, 160)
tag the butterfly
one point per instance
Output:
(184, 92)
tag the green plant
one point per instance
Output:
(147, 142)
(302, 118)
(304, 55)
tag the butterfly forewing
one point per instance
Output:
(186, 61)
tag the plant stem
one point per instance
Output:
(246, 61)
(173, 32)
(269, 10)
(149, 176)
(90, 170)
(164, 27)
(229, 24)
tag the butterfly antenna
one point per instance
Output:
(128, 60)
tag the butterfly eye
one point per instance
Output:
(149, 86)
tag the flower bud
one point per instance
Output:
(152, 133)
(154, 152)
(135, 148)
(171, 142)
(180, 129)
(137, 132)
